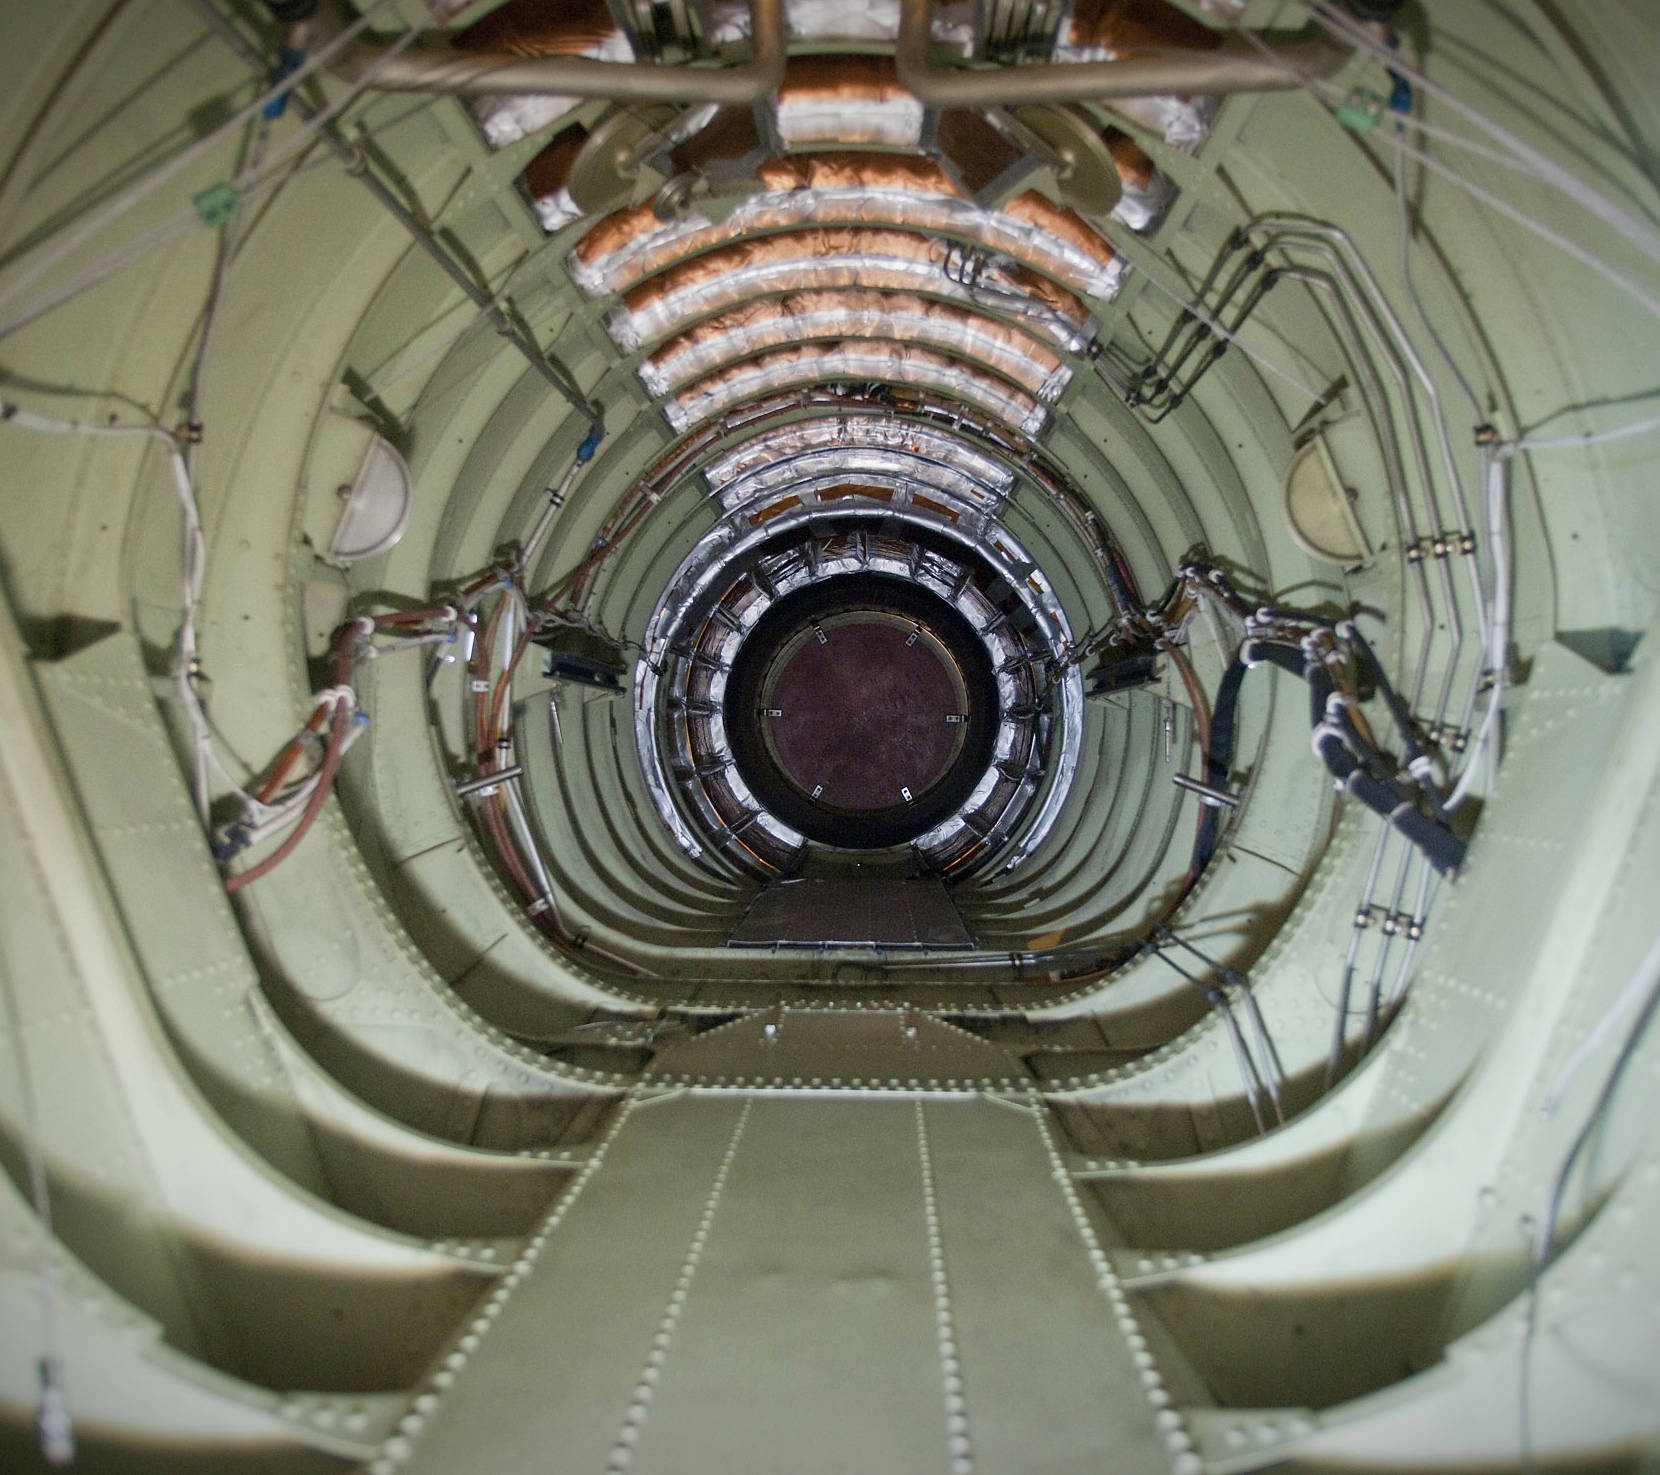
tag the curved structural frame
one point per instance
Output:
(400, 1069)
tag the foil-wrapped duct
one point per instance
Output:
(505, 120)
(851, 100)
(1146, 192)
(860, 362)
(825, 476)
(545, 178)
(725, 21)
(853, 189)
(804, 317)
(1104, 30)
(837, 257)
(851, 435)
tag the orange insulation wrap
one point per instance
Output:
(781, 361)
(547, 172)
(284, 760)
(851, 99)
(1062, 223)
(802, 316)
(850, 191)
(537, 28)
(1124, 27)
(856, 78)
(1135, 165)
(314, 805)
(827, 244)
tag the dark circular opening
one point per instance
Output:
(862, 710)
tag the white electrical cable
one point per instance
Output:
(192, 560)
(1497, 482)
(56, 247)
(1624, 1002)
(1641, 235)
(1644, 984)
(230, 240)
(1405, 232)
(1586, 438)
(1644, 238)
(247, 185)
(1589, 259)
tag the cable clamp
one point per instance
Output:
(217, 203)
(1486, 435)
(1360, 111)
(1363, 919)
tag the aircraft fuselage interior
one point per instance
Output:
(829, 737)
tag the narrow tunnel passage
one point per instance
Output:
(750, 735)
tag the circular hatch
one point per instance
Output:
(862, 710)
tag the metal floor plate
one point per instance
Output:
(880, 912)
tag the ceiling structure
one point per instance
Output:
(820, 736)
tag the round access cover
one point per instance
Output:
(377, 505)
(861, 711)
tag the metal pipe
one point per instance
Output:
(1206, 794)
(1272, 1070)
(1218, 1001)
(444, 69)
(1237, 65)
(1242, 1057)
(488, 782)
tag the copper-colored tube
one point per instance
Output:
(313, 807)
(1196, 695)
(1061, 222)
(285, 760)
